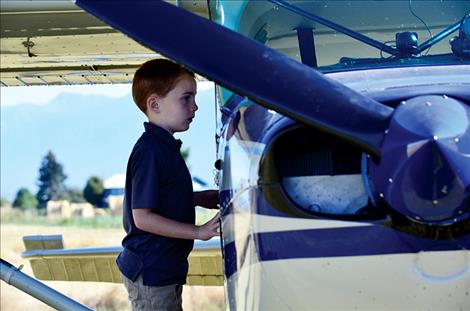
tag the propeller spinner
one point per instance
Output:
(424, 170)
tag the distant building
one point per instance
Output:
(114, 190)
(114, 185)
(113, 194)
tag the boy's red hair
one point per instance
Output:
(157, 76)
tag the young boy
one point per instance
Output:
(159, 201)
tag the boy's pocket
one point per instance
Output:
(132, 287)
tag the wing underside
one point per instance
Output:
(57, 43)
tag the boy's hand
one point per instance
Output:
(209, 229)
(207, 198)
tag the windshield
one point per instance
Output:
(394, 31)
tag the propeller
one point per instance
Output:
(277, 82)
(249, 68)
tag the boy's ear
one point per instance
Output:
(152, 103)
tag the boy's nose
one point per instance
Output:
(195, 107)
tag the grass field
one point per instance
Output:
(99, 296)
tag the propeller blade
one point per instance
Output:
(249, 68)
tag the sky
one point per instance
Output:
(40, 95)
(199, 139)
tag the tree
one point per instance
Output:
(25, 199)
(185, 154)
(4, 202)
(50, 181)
(94, 190)
(73, 195)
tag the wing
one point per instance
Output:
(58, 43)
(50, 261)
(55, 43)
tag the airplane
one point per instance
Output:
(343, 145)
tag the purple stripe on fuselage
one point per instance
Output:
(349, 241)
(340, 242)
(230, 259)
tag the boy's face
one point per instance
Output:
(177, 109)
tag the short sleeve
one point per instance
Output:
(145, 179)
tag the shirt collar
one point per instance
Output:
(163, 135)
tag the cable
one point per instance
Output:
(381, 54)
(365, 179)
(425, 25)
(209, 10)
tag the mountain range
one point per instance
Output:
(89, 135)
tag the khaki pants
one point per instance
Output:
(153, 298)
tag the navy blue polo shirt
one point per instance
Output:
(156, 178)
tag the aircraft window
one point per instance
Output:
(383, 22)
(224, 96)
